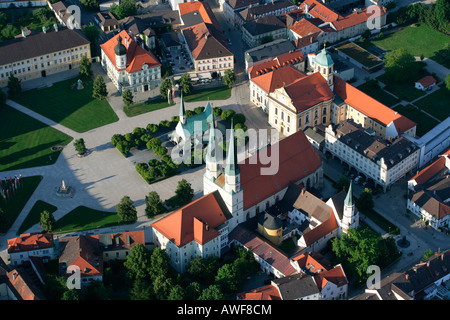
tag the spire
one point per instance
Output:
(232, 167)
(182, 111)
(349, 198)
(211, 155)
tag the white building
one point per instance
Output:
(21, 248)
(128, 65)
(383, 161)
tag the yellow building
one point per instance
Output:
(271, 228)
(33, 55)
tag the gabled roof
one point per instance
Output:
(136, 56)
(355, 18)
(430, 171)
(236, 4)
(319, 10)
(196, 221)
(306, 27)
(29, 242)
(268, 292)
(309, 91)
(277, 78)
(297, 160)
(427, 81)
(371, 107)
(335, 275)
(120, 240)
(263, 25)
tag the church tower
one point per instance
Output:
(182, 114)
(325, 65)
(212, 165)
(121, 54)
(232, 171)
(350, 217)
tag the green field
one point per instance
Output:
(403, 90)
(83, 218)
(63, 103)
(34, 216)
(437, 103)
(374, 90)
(26, 142)
(416, 40)
(424, 122)
(146, 106)
(215, 93)
(13, 206)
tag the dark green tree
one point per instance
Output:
(154, 205)
(164, 88)
(213, 292)
(14, 86)
(176, 293)
(184, 191)
(401, 65)
(162, 287)
(141, 290)
(447, 81)
(99, 91)
(126, 210)
(186, 84)
(3, 99)
(127, 97)
(365, 200)
(203, 270)
(159, 263)
(85, 68)
(47, 221)
(80, 146)
(138, 263)
(90, 4)
(229, 78)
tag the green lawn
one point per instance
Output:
(416, 40)
(147, 106)
(374, 90)
(13, 206)
(83, 218)
(216, 93)
(26, 142)
(424, 122)
(436, 103)
(34, 216)
(403, 90)
(75, 109)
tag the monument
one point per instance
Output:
(64, 191)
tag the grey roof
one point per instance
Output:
(170, 39)
(248, 13)
(269, 221)
(264, 25)
(237, 4)
(107, 19)
(192, 18)
(296, 286)
(39, 44)
(269, 50)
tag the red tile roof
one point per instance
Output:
(203, 8)
(305, 27)
(136, 56)
(305, 260)
(21, 286)
(319, 10)
(371, 107)
(268, 292)
(427, 81)
(309, 91)
(427, 173)
(355, 18)
(292, 57)
(30, 241)
(335, 275)
(121, 240)
(321, 230)
(277, 78)
(194, 222)
(297, 160)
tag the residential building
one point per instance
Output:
(267, 52)
(428, 193)
(25, 246)
(261, 85)
(425, 83)
(5, 4)
(82, 252)
(271, 8)
(106, 21)
(308, 44)
(231, 8)
(128, 65)
(63, 15)
(117, 245)
(427, 280)
(204, 39)
(38, 54)
(264, 29)
(140, 29)
(384, 161)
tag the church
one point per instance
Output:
(233, 193)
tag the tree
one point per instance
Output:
(184, 191)
(159, 263)
(141, 290)
(90, 4)
(213, 292)
(192, 291)
(2, 99)
(401, 65)
(80, 146)
(442, 13)
(14, 86)
(176, 293)
(238, 118)
(126, 210)
(138, 263)
(447, 81)
(127, 97)
(154, 205)
(162, 287)
(228, 277)
(85, 68)
(365, 200)
(99, 89)
(203, 270)
(164, 88)
(126, 8)
(47, 221)
(186, 84)
(229, 78)
(427, 253)
(228, 114)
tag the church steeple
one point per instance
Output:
(350, 217)
(182, 111)
(232, 170)
(212, 165)
(349, 198)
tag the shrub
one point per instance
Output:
(165, 123)
(116, 138)
(138, 132)
(146, 138)
(123, 147)
(154, 163)
(160, 151)
(153, 143)
(217, 111)
(238, 118)
(228, 114)
(199, 110)
(152, 127)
